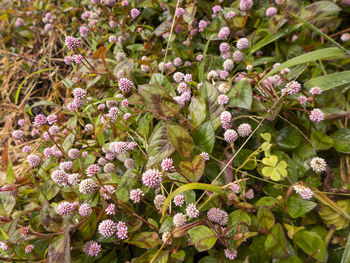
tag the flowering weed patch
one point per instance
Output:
(175, 131)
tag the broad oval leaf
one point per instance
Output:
(193, 170)
(311, 243)
(202, 237)
(146, 240)
(298, 207)
(341, 139)
(204, 138)
(159, 146)
(197, 111)
(158, 101)
(180, 139)
(241, 96)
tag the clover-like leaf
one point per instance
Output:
(274, 169)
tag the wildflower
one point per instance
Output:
(228, 64)
(66, 166)
(134, 13)
(17, 134)
(218, 216)
(106, 191)
(112, 39)
(224, 47)
(159, 201)
(152, 178)
(87, 186)
(237, 56)
(316, 115)
(166, 236)
(73, 179)
(89, 127)
(212, 75)
(39, 120)
(136, 194)
(65, 208)
(107, 228)
(179, 11)
(125, 85)
(249, 194)
(345, 37)
(84, 31)
(230, 254)
(92, 248)
(224, 33)
(199, 57)
(51, 119)
(271, 12)
(318, 164)
(244, 129)
(21, 122)
(109, 168)
(302, 100)
(110, 209)
(316, 91)
(4, 246)
(129, 163)
(230, 135)
(230, 14)
(85, 210)
(216, 9)
(202, 25)
(205, 156)
(179, 200)
(93, 169)
(182, 88)
(74, 153)
(24, 231)
(179, 219)
(72, 43)
(292, 88)
(192, 211)
(304, 192)
(19, 22)
(167, 164)
(245, 5)
(177, 62)
(223, 99)
(33, 160)
(188, 78)
(119, 147)
(242, 43)
(235, 188)
(225, 117)
(122, 230)
(29, 248)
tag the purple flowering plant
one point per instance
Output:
(174, 131)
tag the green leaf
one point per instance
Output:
(193, 169)
(210, 95)
(238, 217)
(289, 138)
(136, 47)
(326, 53)
(158, 101)
(276, 243)
(7, 203)
(339, 219)
(145, 240)
(59, 250)
(159, 146)
(329, 81)
(180, 139)
(346, 255)
(149, 255)
(341, 139)
(321, 141)
(68, 142)
(202, 237)
(49, 219)
(241, 95)
(204, 138)
(302, 156)
(274, 169)
(298, 207)
(266, 220)
(293, 259)
(266, 201)
(311, 244)
(273, 37)
(162, 80)
(197, 111)
(191, 186)
(10, 173)
(87, 229)
(124, 187)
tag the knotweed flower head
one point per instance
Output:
(87, 186)
(230, 135)
(230, 254)
(136, 194)
(271, 12)
(179, 219)
(224, 33)
(316, 115)
(152, 178)
(192, 211)
(242, 43)
(134, 13)
(72, 43)
(159, 201)
(125, 85)
(205, 156)
(228, 64)
(245, 5)
(33, 160)
(316, 91)
(244, 129)
(179, 11)
(85, 210)
(218, 216)
(302, 100)
(237, 56)
(179, 200)
(223, 99)
(318, 164)
(92, 248)
(167, 164)
(107, 228)
(122, 230)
